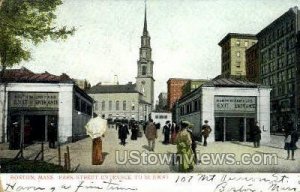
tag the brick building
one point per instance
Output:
(175, 90)
(252, 65)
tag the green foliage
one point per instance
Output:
(27, 21)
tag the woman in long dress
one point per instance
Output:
(184, 150)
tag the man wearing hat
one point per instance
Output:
(184, 150)
(166, 132)
(205, 132)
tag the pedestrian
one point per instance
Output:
(194, 144)
(291, 138)
(184, 149)
(52, 133)
(15, 136)
(166, 132)
(256, 135)
(173, 133)
(134, 131)
(151, 134)
(205, 132)
(123, 132)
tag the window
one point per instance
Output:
(103, 106)
(110, 105)
(246, 43)
(238, 43)
(124, 105)
(144, 70)
(132, 106)
(238, 54)
(117, 105)
(238, 64)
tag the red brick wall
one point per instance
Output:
(175, 90)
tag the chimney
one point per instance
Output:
(116, 81)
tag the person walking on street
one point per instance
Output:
(151, 134)
(291, 138)
(205, 132)
(52, 133)
(194, 144)
(256, 135)
(123, 132)
(166, 132)
(184, 149)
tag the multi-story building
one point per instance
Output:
(233, 47)
(193, 84)
(175, 86)
(279, 59)
(252, 65)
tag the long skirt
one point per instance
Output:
(173, 138)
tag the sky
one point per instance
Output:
(184, 37)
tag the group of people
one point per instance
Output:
(123, 131)
(170, 130)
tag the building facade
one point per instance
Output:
(193, 84)
(252, 65)
(130, 101)
(175, 90)
(231, 106)
(119, 102)
(233, 56)
(279, 60)
(161, 117)
(31, 102)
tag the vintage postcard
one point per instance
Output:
(149, 95)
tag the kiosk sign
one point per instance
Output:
(33, 100)
(230, 104)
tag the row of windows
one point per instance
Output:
(110, 106)
(279, 49)
(82, 106)
(279, 77)
(281, 62)
(283, 89)
(161, 117)
(190, 107)
(285, 104)
(278, 33)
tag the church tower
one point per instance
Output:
(144, 79)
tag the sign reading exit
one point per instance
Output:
(232, 104)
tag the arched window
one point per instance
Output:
(103, 105)
(117, 105)
(124, 105)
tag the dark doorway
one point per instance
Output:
(34, 125)
(234, 128)
(219, 129)
(250, 122)
(14, 132)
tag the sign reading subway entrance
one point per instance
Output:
(232, 104)
(33, 100)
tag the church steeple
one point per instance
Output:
(144, 79)
(145, 31)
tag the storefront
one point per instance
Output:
(44, 109)
(232, 108)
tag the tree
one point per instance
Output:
(23, 22)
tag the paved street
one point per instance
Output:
(80, 153)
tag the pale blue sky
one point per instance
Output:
(184, 37)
